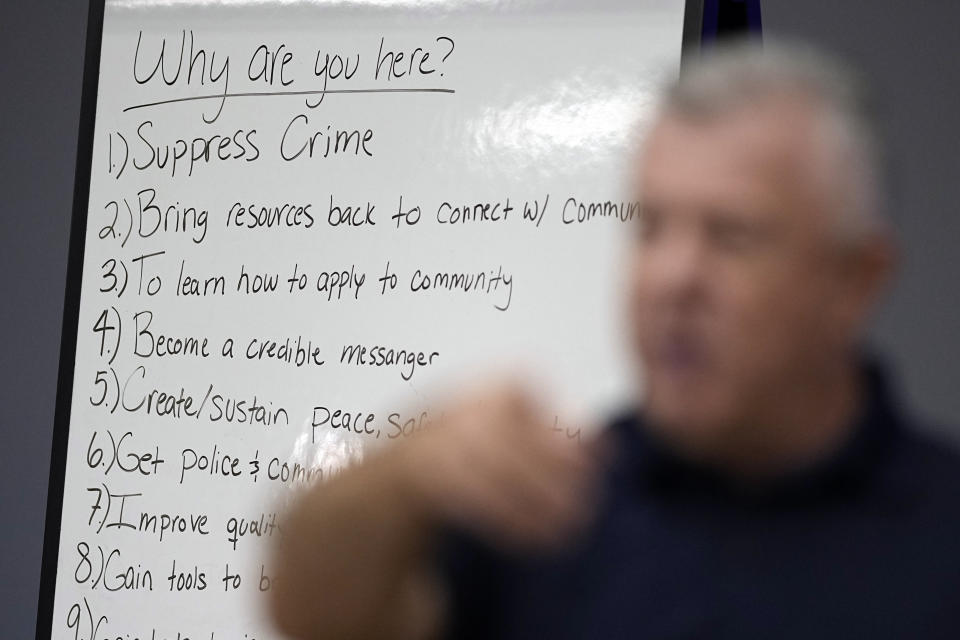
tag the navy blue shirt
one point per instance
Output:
(864, 545)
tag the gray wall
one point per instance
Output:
(908, 50)
(41, 59)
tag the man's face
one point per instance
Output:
(736, 292)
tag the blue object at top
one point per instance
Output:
(724, 18)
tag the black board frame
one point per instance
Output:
(690, 49)
(71, 319)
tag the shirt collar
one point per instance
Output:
(645, 460)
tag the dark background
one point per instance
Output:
(908, 50)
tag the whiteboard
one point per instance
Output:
(296, 229)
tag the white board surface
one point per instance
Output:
(204, 185)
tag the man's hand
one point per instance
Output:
(495, 468)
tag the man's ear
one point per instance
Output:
(868, 267)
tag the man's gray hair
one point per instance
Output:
(734, 76)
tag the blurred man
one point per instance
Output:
(766, 488)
